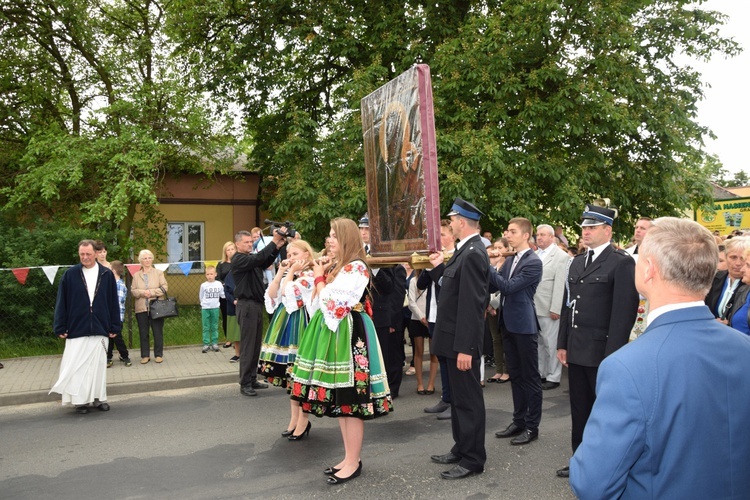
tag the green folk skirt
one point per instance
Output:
(341, 373)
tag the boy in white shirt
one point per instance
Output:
(210, 293)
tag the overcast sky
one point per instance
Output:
(726, 107)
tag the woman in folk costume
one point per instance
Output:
(286, 298)
(339, 370)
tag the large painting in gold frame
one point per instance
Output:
(403, 200)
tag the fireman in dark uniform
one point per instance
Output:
(599, 310)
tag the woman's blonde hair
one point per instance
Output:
(351, 246)
(305, 247)
(224, 250)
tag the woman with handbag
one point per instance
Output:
(148, 285)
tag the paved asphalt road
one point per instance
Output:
(211, 442)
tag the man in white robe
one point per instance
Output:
(87, 311)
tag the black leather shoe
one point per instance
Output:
(287, 433)
(248, 391)
(103, 407)
(295, 437)
(458, 472)
(333, 470)
(510, 431)
(564, 472)
(82, 409)
(259, 385)
(550, 385)
(334, 479)
(525, 438)
(448, 458)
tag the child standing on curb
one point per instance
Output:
(210, 293)
(118, 268)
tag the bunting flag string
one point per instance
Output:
(50, 272)
(22, 273)
(185, 267)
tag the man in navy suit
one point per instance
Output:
(672, 408)
(458, 336)
(517, 281)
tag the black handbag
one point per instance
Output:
(166, 308)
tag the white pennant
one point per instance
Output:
(161, 267)
(51, 272)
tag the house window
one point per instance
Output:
(185, 244)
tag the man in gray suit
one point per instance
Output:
(548, 302)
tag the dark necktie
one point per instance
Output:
(589, 259)
(367, 249)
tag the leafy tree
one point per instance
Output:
(26, 311)
(541, 105)
(95, 110)
(740, 179)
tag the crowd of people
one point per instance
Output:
(622, 321)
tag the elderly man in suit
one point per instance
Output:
(517, 281)
(458, 336)
(599, 312)
(548, 303)
(726, 284)
(650, 434)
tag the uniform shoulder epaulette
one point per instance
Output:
(622, 252)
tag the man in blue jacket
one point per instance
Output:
(87, 312)
(672, 407)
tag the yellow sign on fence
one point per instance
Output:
(725, 216)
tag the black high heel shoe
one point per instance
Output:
(334, 479)
(287, 433)
(294, 437)
(333, 470)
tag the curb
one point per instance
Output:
(30, 397)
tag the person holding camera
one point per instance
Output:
(247, 270)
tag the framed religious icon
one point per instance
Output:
(403, 200)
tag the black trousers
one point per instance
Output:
(392, 347)
(157, 327)
(250, 318)
(582, 387)
(223, 309)
(522, 362)
(468, 415)
(121, 347)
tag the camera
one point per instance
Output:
(289, 226)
